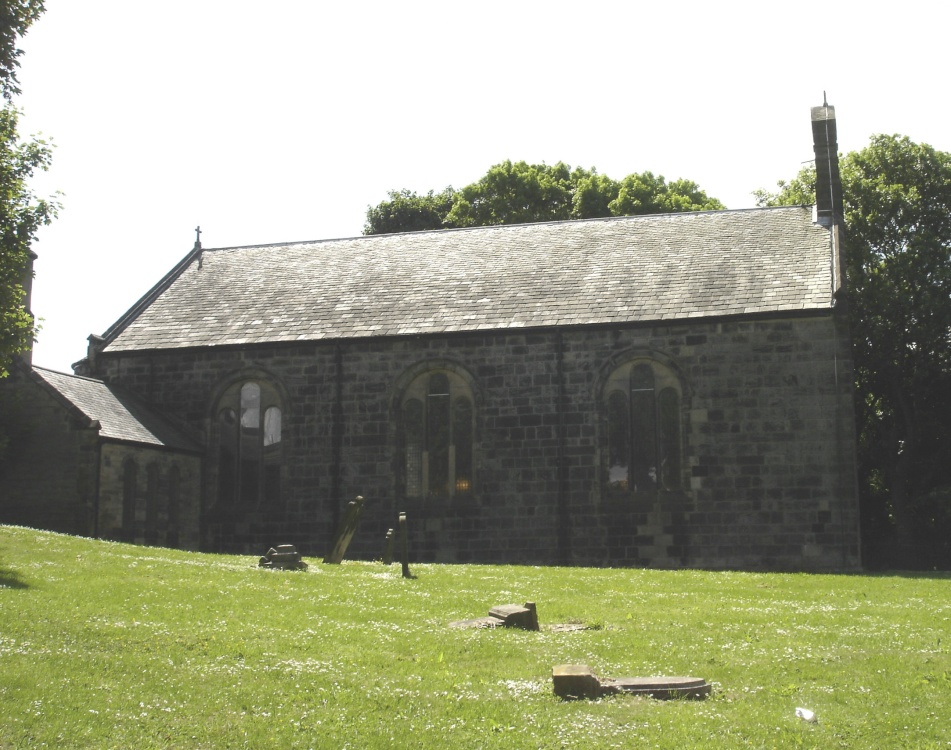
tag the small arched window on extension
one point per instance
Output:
(249, 427)
(437, 426)
(642, 402)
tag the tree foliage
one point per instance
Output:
(898, 268)
(16, 16)
(519, 193)
(405, 211)
(21, 212)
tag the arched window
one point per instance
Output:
(642, 403)
(249, 445)
(437, 423)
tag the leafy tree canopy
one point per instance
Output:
(519, 192)
(406, 211)
(16, 16)
(897, 197)
(21, 212)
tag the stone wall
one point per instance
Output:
(149, 496)
(768, 444)
(44, 434)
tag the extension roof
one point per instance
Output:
(120, 417)
(571, 273)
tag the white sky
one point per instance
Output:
(282, 121)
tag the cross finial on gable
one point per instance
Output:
(197, 248)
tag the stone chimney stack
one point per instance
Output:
(828, 184)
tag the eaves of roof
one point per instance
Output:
(117, 416)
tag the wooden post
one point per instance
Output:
(404, 546)
(345, 533)
(388, 547)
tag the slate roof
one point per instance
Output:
(599, 271)
(121, 417)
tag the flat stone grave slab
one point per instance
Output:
(478, 622)
(659, 687)
(579, 681)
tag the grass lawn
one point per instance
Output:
(108, 645)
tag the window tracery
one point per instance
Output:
(437, 423)
(642, 401)
(249, 451)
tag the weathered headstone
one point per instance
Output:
(513, 616)
(504, 616)
(283, 557)
(404, 546)
(388, 547)
(345, 532)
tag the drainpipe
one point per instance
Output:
(564, 510)
(336, 468)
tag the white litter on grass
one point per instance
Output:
(806, 715)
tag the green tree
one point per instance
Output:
(519, 193)
(897, 197)
(21, 212)
(515, 193)
(646, 194)
(405, 211)
(593, 195)
(16, 16)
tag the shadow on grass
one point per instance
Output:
(931, 574)
(10, 579)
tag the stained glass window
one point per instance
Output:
(642, 405)
(437, 436)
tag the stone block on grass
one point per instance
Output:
(575, 681)
(514, 616)
(283, 557)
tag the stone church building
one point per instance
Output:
(670, 391)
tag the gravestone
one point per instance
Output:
(282, 557)
(388, 547)
(513, 616)
(662, 688)
(504, 616)
(404, 546)
(345, 532)
(575, 681)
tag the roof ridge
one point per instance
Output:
(503, 277)
(70, 375)
(483, 227)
